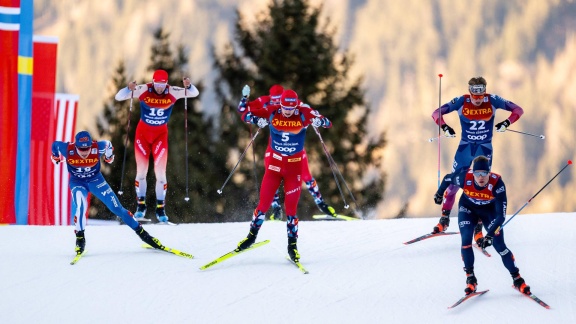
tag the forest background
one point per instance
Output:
(525, 49)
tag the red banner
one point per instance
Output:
(9, 29)
(41, 203)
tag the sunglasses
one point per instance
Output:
(481, 173)
(288, 108)
(473, 96)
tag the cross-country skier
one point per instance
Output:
(157, 99)
(83, 160)
(273, 99)
(283, 161)
(483, 198)
(476, 111)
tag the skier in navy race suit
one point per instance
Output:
(83, 160)
(483, 198)
(477, 112)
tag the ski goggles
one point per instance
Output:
(481, 173)
(160, 85)
(274, 100)
(288, 108)
(477, 89)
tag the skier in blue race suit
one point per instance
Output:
(477, 111)
(83, 160)
(483, 198)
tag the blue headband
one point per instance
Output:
(481, 165)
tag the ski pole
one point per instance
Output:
(237, 163)
(254, 170)
(186, 138)
(245, 95)
(333, 166)
(529, 134)
(439, 121)
(120, 192)
(529, 200)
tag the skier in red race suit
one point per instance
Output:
(273, 99)
(157, 99)
(283, 161)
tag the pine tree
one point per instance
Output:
(288, 46)
(205, 163)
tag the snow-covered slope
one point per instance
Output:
(360, 272)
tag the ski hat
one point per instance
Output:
(160, 76)
(289, 99)
(83, 140)
(275, 93)
(481, 163)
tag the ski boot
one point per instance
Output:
(276, 213)
(293, 249)
(443, 223)
(141, 209)
(248, 241)
(478, 236)
(471, 281)
(326, 209)
(148, 239)
(80, 242)
(160, 212)
(520, 284)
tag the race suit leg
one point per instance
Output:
(79, 190)
(160, 155)
(292, 175)
(101, 189)
(142, 148)
(467, 219)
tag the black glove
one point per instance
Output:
(448, 131)
(486, 242)
(438, 198)
(56, 159)
(502, 126)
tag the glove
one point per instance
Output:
(186, 82)
(502, 126)
(246, 91)
(242, 105)
(261, 122)
(109, 160)
(438, 198)
(316, 122)
(486, 242)
(56, 159)
(132, 85)
(448, 131)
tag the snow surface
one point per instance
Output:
(360, 272)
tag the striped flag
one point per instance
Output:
(9, 30)
(41, 202)
(65, 110)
